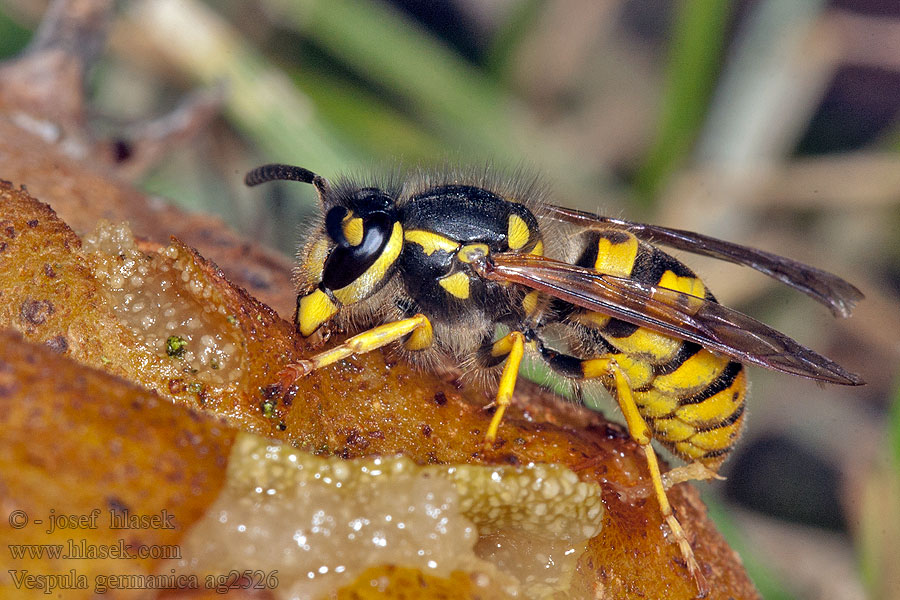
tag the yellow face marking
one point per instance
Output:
(616, 258)
(517, 232)
(717, 407)
(538, 249)
(456, 285)
(687, 285)
(313, 310)
(430, 242)
(353, 229)
(363, 285)
(312, 266)
(421, 338)
(693, 375)
(466, 253)
(530, 302)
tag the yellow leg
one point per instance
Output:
(366, 341)
(513, 345)
(600, 367)
(641, 433)
(678, 533)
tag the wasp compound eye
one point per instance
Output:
(347, 263)
(334, 226)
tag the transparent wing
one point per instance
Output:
(838, 295)
(667, 311)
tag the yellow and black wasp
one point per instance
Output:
(464, 270)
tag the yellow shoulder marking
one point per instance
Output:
(538, 249)
(430, 241)
(456, 285)
(517, 232)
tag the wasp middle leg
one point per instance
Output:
(510, 347)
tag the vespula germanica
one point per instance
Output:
(436, 263)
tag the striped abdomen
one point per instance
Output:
(692, 399)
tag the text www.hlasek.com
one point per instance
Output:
(81, 549)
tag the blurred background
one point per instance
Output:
(770, 123)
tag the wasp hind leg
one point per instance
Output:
(416, 329)
(607, 368)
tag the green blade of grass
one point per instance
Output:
(878, 533)
(13, 37)
(766, 582)
(694, 60)
(458, 101)
(260, 99)
(366, 121)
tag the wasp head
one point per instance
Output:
(351, 255)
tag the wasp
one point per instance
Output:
(468, 271)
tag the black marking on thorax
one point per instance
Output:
(468, 215)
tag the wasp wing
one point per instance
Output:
(838, 295)
(667, 311)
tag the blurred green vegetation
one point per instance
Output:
(878, 540)
(695, 57)
(626, 105)
(13, 36)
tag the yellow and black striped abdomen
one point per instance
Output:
(691, 398)
(696, 407)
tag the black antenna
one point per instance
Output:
(275, 171)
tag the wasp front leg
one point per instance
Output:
(416, 330)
